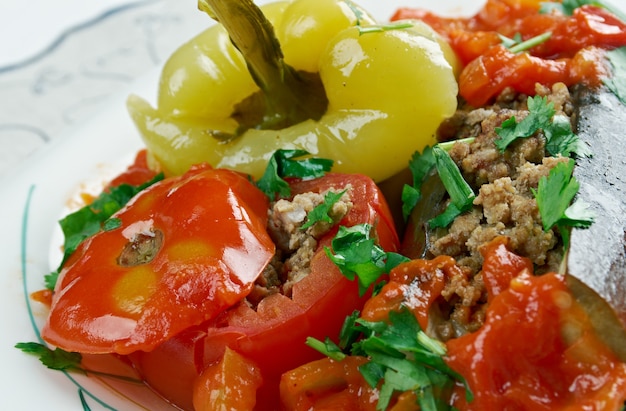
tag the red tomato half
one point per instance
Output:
(273, 336)
(186, 249)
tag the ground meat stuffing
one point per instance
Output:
(504, 204)
(295, 247)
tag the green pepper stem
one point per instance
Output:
(287, 94)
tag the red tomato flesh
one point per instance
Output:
(273, 335)
(570, 55)
(187, 248)
(537, 349)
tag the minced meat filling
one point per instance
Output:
(295, 247)
(504, 205)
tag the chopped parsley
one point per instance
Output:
(357, 255)
(420, 165)
(61, 360)
(56, 359)
(402, 358)
(321, 212)
(289, 163)
(554, 196)
(461, 194)
(560, 139)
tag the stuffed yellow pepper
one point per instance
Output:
(370, 95)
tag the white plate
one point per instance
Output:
(32, 200)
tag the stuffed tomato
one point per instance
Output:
(270, 325)
(179, 253)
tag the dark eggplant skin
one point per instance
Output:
(597, 255)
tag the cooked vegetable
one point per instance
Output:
(573, 54)
(596, 254)
(229, 384)
(90, 219)
(206, 93)
(210, 283)
(189, 247)
(553, 372)
(271, 332)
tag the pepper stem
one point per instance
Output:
(289, 96)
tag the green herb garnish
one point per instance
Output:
(554, 197)
(420, 165)
(530, 43)
(540, 113)
(56, 359)
(402, 358)
(461, 194)
(290, 163)
(357, 255)
(560, 139)
(90, 219)
(321, 212)
(61, 360)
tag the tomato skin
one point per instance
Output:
(326, 384)
(273, 336)
(488, 75)
(137, 173)
(184, 282)
(569, 56)
(230, 384)
(537, 349)
(428, 275)
(500, 265)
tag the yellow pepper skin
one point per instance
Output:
(388, 91)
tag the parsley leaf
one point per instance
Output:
(446, 218)
(554, 197)
(321, 212)
(357, 255)
(420, 165)
(540, 113)
(461, 194)
(56, 359)
(90, 219)
(617, 82)
(50, 280)
(560, 139)
(285, 163)
(402, 358)
(61, 360)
